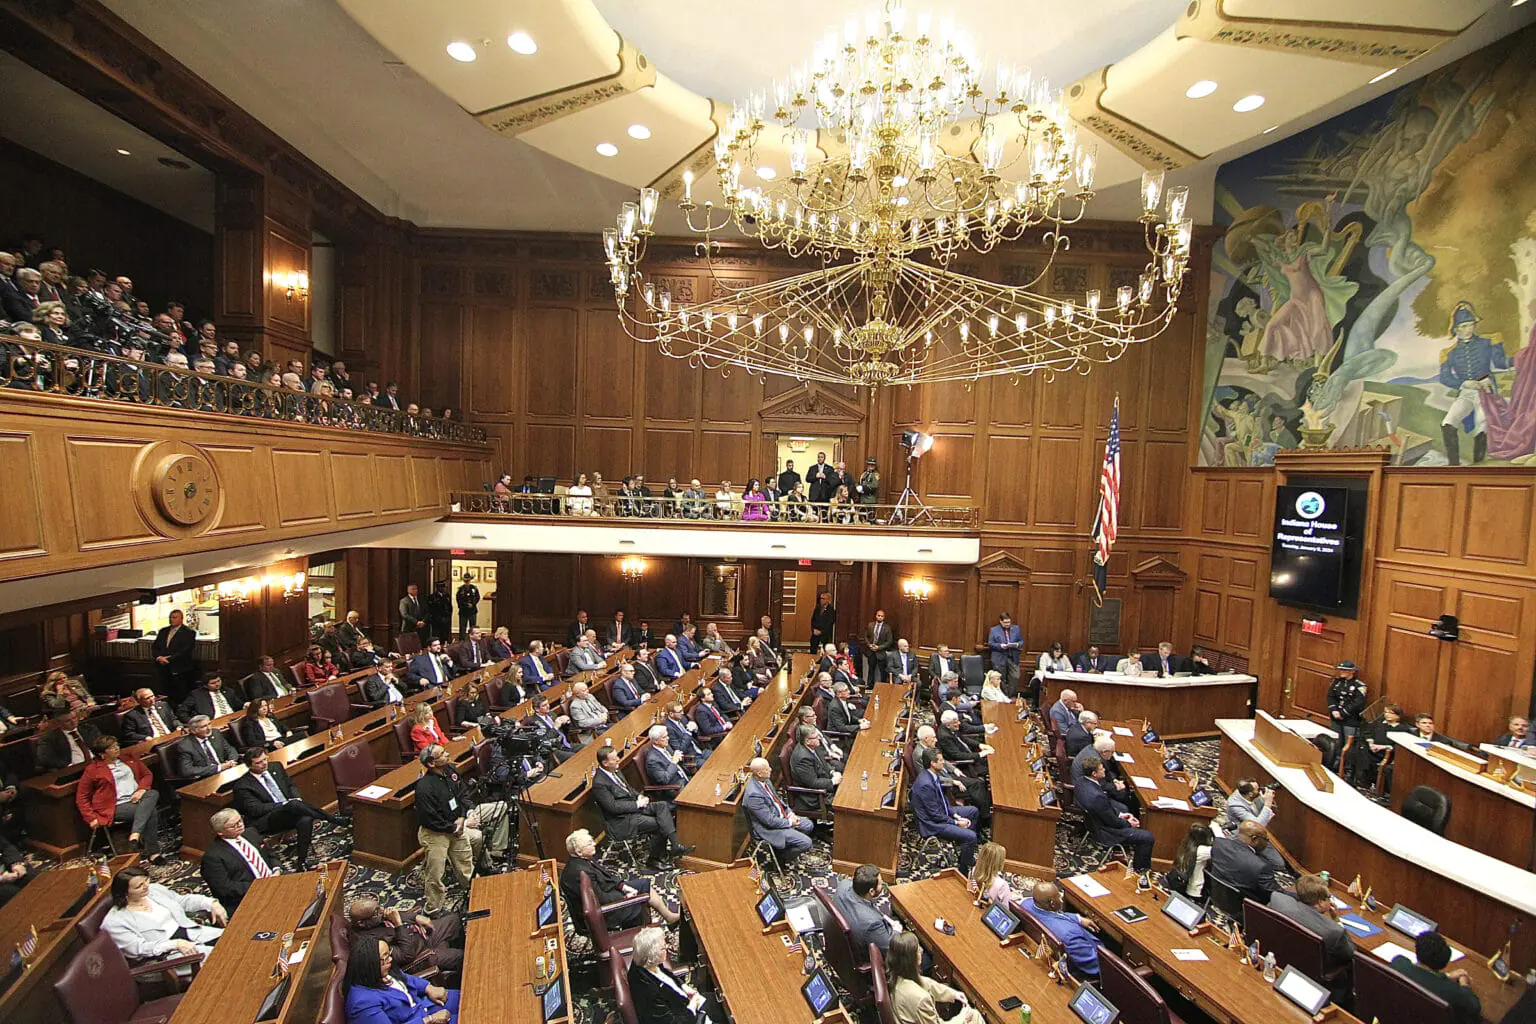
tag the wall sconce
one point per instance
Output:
(916, 590)
(632, 568)
(238, 592)
(295, 284)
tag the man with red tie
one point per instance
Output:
(712, 724)
(234, 860)
(770, 818)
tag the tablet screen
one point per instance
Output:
(769, 909)
(554, 1000)
(1200, 798)
(818, 993)
(1407, 922)
(1091, 1007)
(1183, 911)
(1301, 990)
(1000, 920)
(547, 908)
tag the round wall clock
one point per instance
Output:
(185, 489)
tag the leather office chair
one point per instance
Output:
(656, 791)
(1382, 993)
(330, 706)
(408, 644)
(1428, 807)
(353, 767)
(1129, 991)
(854, 976)
(1223, 896)
(402, 730)
(823, 799)
(972, 673)
(1292, 944)
(90, 924)
(341, 940)
(618, 980)
(333, 1008)
(98, 986)
(881, 994)
(607, 942)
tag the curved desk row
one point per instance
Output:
(1486, 813)
(1179, 707)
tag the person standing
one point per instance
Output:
(443, 827)
(413, 617)
(1005, 640)
(440, 612)
(467, 597)
(172, 651)
(879, 638)
(867, 490)
(1346, 703)
(818, 480)
(823, 621)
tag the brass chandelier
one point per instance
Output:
(915, 162)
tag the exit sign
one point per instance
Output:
(805, 562)
(1314, 626)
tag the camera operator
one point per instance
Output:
(1250, 802)
(516, 758)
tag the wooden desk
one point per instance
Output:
(1473, 896)
(986, 970)
(1179, 708)
(498, 975)
(1019, 821)
(758, 978)
(1168, 825)
(1221, 986)
(709, 820)
(237, 975)
(866, 832)
(384, 827)
(1486, 814)
(43, 903)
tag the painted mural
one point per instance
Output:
(1376, 282)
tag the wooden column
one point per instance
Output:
(262, 232)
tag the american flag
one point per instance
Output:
(28, 945)
(1107, 525)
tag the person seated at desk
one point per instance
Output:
(514, 690)
(267, 798)
(809, 769)
(1064, 712)
(758, 663)
(382, 687)
(1433, 954)
(608, 887)
(624, 691)
(234, 859)
(318, 667)
(680, 731)
(424, 728)
(646, 676)
(1200, 663)
(1164, 664)
(214, 698)
(421, 942)
(833, 753)
(202, 752)
(1247, 862)
(957, 747)
(1374, 744)
(730, 702)
(690, 651)
(1110, 820)
(115, 788)
(970, 790)
(770, 819)
(992, 688)
(149, 717)
(713, 726)
(67, 741)
(13, 871)
(1077, 933)
(663, 764)
(1131, 664)
(1103, 748)
(843, 717)
(266, 681)
(951, 697)
(149, 920)
(8, 720)
(901, 663)
(59, 692)
(1188, 872)
(379, 994)
(627, 814)
(936, 816)
(585, 656)
(913, 996)
(1250, 802)
(536, 668)
(469, 653)
(1080, 735)
(867, 924)
(472, 706)
(349, 633)
(1518, 736)
(942, 663)
(661, 997)
(1052, 661)
(500, 647)
(821, 690)
(588, 714)
(669, 661)
(987, 880)
(258, 728)
(429, 668)
(1312, 908)
(549, 728)
(1424, 730)
(1091, 661)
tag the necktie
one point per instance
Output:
(618, 780)
(220, 703)
(278, 686)
(783, 811)
(270, 785)
(252, 857)
(208, 750)
(77, 748)
(943, 799)
(157, 726)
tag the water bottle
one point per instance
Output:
(864, 781)
(717, 791)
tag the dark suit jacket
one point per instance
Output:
(711, 722)
(136, 727)
(613, 634)
(842, 716)
(1077, 738)
(249, 734)
(178, 650)
(655, 1002)
(607, 886)
(200, 701)
(1250, 873)
(1103, 811)
(807, 771)
(893, 664)
(53, 748)
(624, 694)
(258, 685)
(419, 672)
(375, 692)
(1466, 1008)
(189, 761)
(928, 804)
(253, 801)
(954, 746)
(575, 630)
(226, 872)
(618, 806)
(1082, 663)
(463, 655)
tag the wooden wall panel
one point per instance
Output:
(1059, 485)
(489, 366)
(1008, 479)
(357, 493)
(549, 385)
(731, 399)
(395, 495)
(245, 477)
(98, 465)
(1163, 497)
(21, 500)
(1064, 401)
(607, 355)
(725, 455)
(671, 388)
(556, 447)
(303, 487)
(669, 450)
(1498, 522)
(1012, 401)
(607, 450)
(947, 469)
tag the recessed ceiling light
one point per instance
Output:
(1270, 129)
(1516, 3)
(1248, 103)
(123, 152)
(461, 52)
(1204, 87)
(767, 173)
(522, 42)
(1385, 74)
(607, 149)
(639, 131)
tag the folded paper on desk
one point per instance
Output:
(1092, 887)
(800, 920)
(372, 792)
(1121, 730)
(1189, 954)
(1142, 782)
(1121, 755)
(1171, 804)
(1389, 951)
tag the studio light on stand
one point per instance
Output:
(909, 507)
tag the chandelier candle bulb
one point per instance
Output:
(687, 186)
(1151, 192)
(1178, 202)
(1093, 302)
(1123, 298)
(648, 198)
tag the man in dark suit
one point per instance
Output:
(730, 703)
(549, 728)
(382, 688)
(942, 662)
(1063, 714)
(149, 717)
(713, 725)
(413, 617)
(789, 478)
(1164, 662)
(1312, 908)
(234, 859)
(971, 791)
(1006, 641)
(267, 797)
(902, 664)
(680, 731)
(1092, 661)
(624, 692)
(843, 718)
(769, 817)
(1248, 862)
(823, 622)
(618, 633)
(429, 668)
(1110, 820)
(1080, 735)
(607, 886)
(1518, 736)
(808, 769)
(958, 748)
(663, 764)
(577, 629)
(266, 681)
(172, 652)
(202, 752)
(1432, 954)
(214, 698)
(627, 813)
(389, 398)
(669, 664)
(936, 816)
(67, 741)
(879, 640)
(537, 670)
(646, 676)
(469, 653)
(818, 480)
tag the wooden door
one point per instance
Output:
(1309, 669)
(798, 597)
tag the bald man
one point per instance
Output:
(770, 818)
(1075, 931)
(1065, 711)
(414, 944)
(1248, 862)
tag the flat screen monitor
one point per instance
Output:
(1000, 920)
(312, 912)
(818, 993)
(546, 916)
(1048, 798)
(1200, 798)
(1409, 923)
(770, 909)
(552, 1000)
(1315, 549)
(1302, 991)
(1037, 765)
(272, 1006)
(1091, 1007)
(1183, 911)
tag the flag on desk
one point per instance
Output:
(1107, 525)
(28, 944)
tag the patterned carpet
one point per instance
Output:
(594, 1007)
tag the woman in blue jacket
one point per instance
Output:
(378, 994)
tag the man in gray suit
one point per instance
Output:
(901, 663)
(770, 818)
(585, 657)
(1312, 908)
(855, 897)
(412, 618)
(663, 765)
(1247, 863)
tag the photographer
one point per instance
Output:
(1249, 802)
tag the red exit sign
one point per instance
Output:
(1314, 626)
(805, 562)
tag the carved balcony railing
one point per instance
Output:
(565, 508)
(80, 373)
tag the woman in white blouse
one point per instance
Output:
(578, 499)
(726, 502)
(992, 688)
(149, 920)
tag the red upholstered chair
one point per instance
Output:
(853, 975)
(882, 995)
(618, 980)
(90, 924)
(329, 705)
(403, 739)
(610, 945)
(98, 986)
(1130, 992)
(1381, 992)
(408, 644)
(341, 940)
(353, 767)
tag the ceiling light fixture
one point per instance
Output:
(1384, 75)
(123, 152)
(1270, 129)
(1247, 103)
(767, 173)
(522, 42)
(639, 131)
(607, 149)
(461, 52)
(1200, 89)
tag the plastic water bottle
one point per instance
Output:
(864, 781)
(717, 791)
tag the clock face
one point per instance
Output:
(186, 490)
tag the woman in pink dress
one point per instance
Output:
(754, 505)
(1299, 329)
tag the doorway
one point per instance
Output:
(798, 591)
(482, 572)
(801, 449)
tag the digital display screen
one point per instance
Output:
(1200, 798)
(547, 907)
(1183, 911)
(554, 1000)
(818, 993)
(1315, 542)
(1301, 990)
(769, 909)
(1407, 922)
(1091, 1007)
(1000, 920)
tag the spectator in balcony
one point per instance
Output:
(602, 505)
(52, 321)
(840, 508)
(625, 499)
(19, 301)
(695, 502)
(867, 490)
(54, 286)
(141, 309)
(178, 313)
(228, 358)
(339, 375)
(125, 286)
(254, 362)
(672, 498)
(390, 399)
(727, 506)
(578, 501)
(797, 507)
(77, 287)
(754, 505)
(317, 376)
(206, 331)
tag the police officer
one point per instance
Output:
(467, 597)
(1346, 703)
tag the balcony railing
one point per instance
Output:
(80, 373)
(700, 511)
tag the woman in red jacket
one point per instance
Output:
(117, 787)
(318, 668)
(424, 728)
